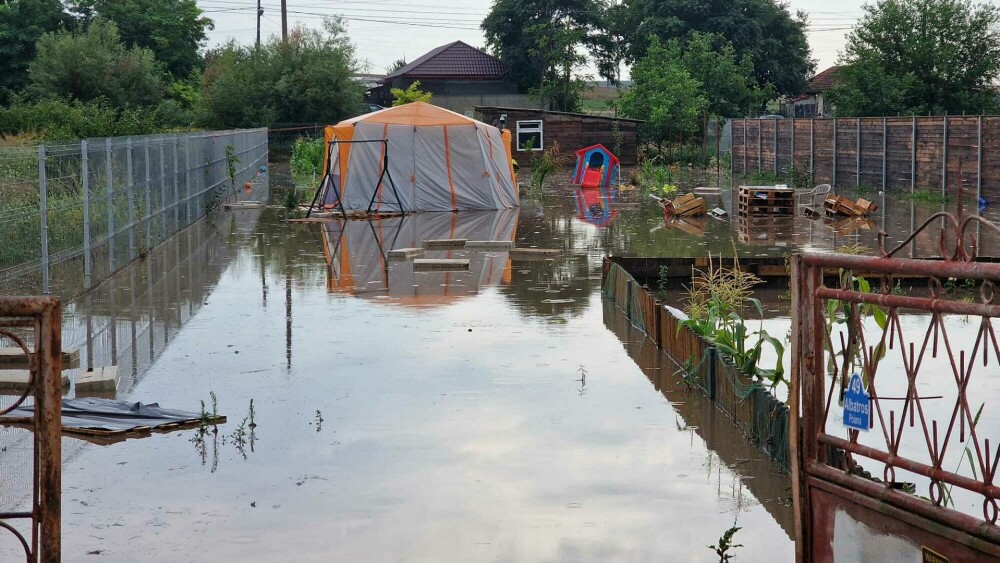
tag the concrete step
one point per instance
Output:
(490, 244)
(441, 264)
(15, 358)
(445, 243)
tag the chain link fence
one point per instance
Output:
(71, 215)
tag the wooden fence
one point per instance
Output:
(896, 154)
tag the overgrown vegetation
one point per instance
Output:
(718, 301)
(544, 164)
(928, 196)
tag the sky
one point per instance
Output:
(386, 30)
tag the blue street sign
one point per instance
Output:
(857, 405)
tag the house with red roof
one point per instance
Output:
(813, 102)
(459, 77)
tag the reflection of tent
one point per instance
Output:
(593, 205)
(356, 253)
(438, 160)
(595, 158)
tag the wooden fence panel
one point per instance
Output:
(871, 152)
(897, 154)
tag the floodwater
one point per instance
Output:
(502, 413)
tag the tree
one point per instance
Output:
(611, 49)
(396, 65)
(22, 23)
(665, 95)
(307, 79)
(920, 56)
(539, 40)
(92, 64)
(728, 81)
(763, 29)
(173, 29)
(413, 93)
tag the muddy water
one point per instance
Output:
(401, 415)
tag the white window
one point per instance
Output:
(529, 132)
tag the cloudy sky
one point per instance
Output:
(385, 30)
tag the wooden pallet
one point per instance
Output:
(766, 200)
(687, 205)
(836, 205)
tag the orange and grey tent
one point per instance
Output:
(417, 157)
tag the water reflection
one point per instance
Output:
(593, 205)
(357, 256)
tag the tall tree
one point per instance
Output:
(93, 64)
(539, 39)
(920, 56)
(611, 49)
(763, 29)
(173, 29)
(22, 23)
(665, 95)
(727, 80)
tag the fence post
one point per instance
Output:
(177, 191)
(744, 146)
(187, 176)
(913, 156)
(775, 146)
(944, 157)
(108, 171)
(149, 196)
(812, 146)
(857, 153)
(979, 160)
(88, 258)
(793, 143)
(760, 155)
(834, 152)
(885, 131)
(130, 186)
(43, 212)
(163, 190)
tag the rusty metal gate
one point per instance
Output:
(895, 364)
(41, 318)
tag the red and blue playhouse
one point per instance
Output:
(596, 167)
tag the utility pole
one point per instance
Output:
(260, 12)
(284, 21)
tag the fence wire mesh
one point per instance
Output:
(71, 215)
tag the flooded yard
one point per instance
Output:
(503, 413)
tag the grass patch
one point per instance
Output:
(928, 196)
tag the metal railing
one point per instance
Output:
(41, 317)
(71, 215)
(919, 358)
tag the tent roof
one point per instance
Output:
(414, 113)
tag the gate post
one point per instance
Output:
(805, 387)
(48, 427)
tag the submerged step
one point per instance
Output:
(490, 244)
(447, 264)
(245, 205)
(102, 380)
(445, 243)
(16, 381)
(15, 358)
(403, 254)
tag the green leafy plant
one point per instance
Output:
(543, 165)
(726, 544)
(232, 160)
(717, 302)
(413, 93)
(928, 196)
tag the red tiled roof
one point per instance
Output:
(823, 81)
(454, 60)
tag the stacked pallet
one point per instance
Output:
(766, 200)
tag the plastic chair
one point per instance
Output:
(818, 193)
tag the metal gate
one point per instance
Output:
(40, 317)
(911, 368)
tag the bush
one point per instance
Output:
(56, 119)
